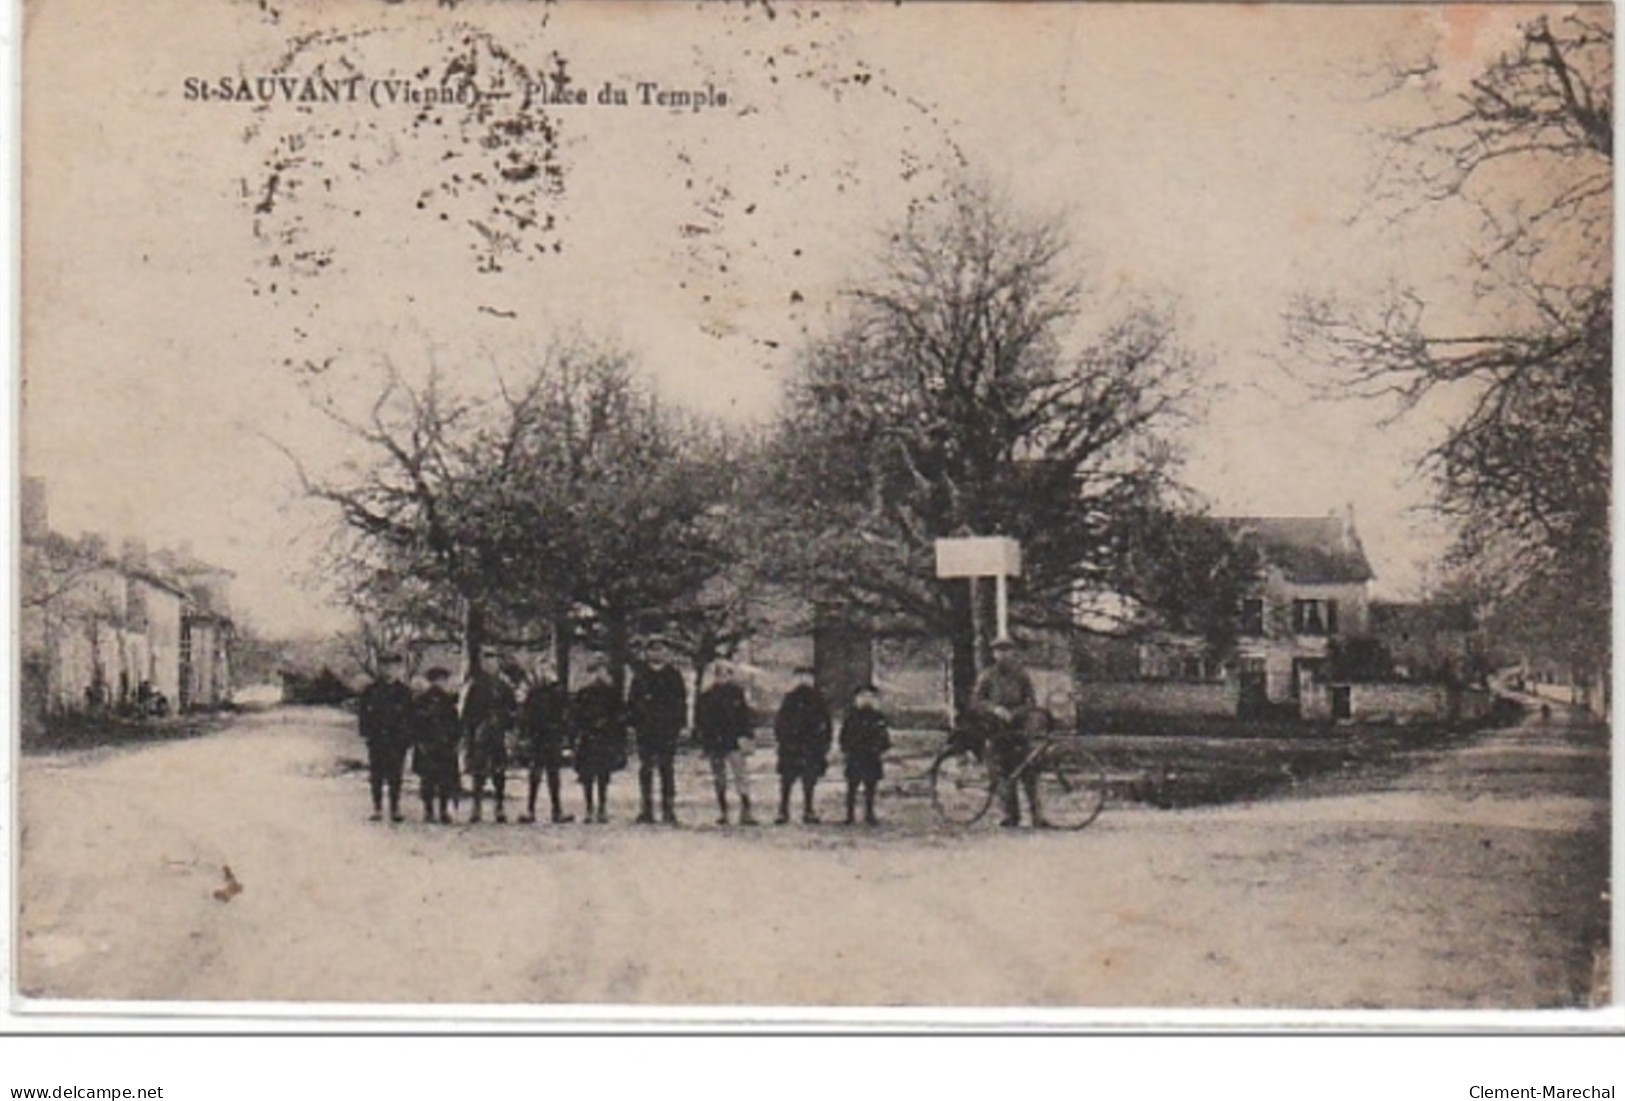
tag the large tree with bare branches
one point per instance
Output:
(610, 507)
(572, 504)
(416, 547)
(962, 396)
(1527, 147)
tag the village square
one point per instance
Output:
(840, 547)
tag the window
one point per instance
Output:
(1314, 617)
(1252, 617)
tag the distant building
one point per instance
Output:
(1310, 643)
(1315, 591)
(130, 633)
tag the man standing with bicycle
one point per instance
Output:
(1006, 707)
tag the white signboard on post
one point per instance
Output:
(973, 556)
(978, 556)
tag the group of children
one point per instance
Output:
(803, 727)
(501, 710)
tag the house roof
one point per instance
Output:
(196, 614)
(1312, 550)
(183, 562)
(155, 580)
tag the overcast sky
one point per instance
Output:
(1214, 157)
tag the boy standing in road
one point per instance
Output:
(600, 727)
(722, 728)
(802, 729)
(384, 714)
(657, 707)
(545, 731)
(865, 738)
(434, 753)
(489, 711)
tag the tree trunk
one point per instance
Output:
(619, 646)
(564, 636)
(843, 654)
(473, 635)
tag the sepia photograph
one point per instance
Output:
(856, 512)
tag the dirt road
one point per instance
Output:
(1472, 880)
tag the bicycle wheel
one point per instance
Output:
(961, 787)
(1071, 789)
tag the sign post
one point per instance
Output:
(973, 556)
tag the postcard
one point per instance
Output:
(1008, 514)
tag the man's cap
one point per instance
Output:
(805, 671)
(439, 672)
(390, 659)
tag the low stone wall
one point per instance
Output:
(1379, 704)
(1399, 703)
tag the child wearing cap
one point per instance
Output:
(384, 712)
(722, 727)
(434, 752)
(865, 738)
(599, 719)
(802, 729)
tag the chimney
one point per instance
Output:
(35, 516)
(1350, 540)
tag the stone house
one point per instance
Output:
(1314, 594)
(126, 633)
(1303, 647)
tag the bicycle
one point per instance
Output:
(1071, 782)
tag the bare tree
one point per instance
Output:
(714, 620)
(957, 399)
(390, 603)
(569, 505)
(413, 503)
(1528, 146)
(614, 496)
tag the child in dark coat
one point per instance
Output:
(865, 738)
(544, 729)
(599, 718)
(802, 729)
(723, 730)
(436, 731)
